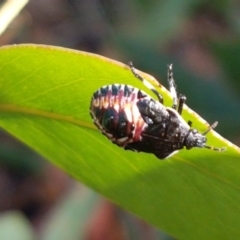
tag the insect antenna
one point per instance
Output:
(210, 128)
(222, 149)
(211, 147)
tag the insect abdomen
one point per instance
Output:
(115, 112)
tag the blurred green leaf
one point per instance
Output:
(227, 53)
(13, 225)
(44, 102)
(159, 21)
(69, 217)
(18, 158)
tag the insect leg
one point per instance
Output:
(189, 123)
(182, 99)
(146, 83)
(172, 86)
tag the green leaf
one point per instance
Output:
(44, 102)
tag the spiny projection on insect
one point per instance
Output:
(132, 119)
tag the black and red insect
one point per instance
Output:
(132, 119)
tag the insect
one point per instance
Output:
(132, 119)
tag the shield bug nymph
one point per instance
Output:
(132, 119)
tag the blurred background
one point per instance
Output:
(202, 40)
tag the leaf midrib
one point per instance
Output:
(10, 108)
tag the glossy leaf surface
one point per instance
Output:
(44, 102)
